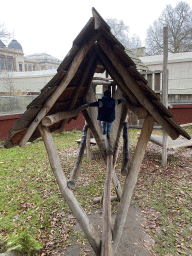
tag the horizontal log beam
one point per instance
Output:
(50, 120)
(97, 200)
(102, 79)
(100, 82)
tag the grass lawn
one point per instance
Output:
(33, 214)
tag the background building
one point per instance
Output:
(179, 75)
(12, 59)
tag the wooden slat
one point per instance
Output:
(79, 87)
(99, 21)
(123, 55)
(68, 59)
(54, 82)
(85, 32)
(136, 74)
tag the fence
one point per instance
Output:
(15, 104)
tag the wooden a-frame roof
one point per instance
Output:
(93, 48)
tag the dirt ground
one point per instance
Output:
(134, 241)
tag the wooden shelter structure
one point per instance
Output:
(95, 49)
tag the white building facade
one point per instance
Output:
(179, 74)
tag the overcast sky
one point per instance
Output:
(51, 26)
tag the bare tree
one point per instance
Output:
(179, 23)
(4, 33)
(121, 32)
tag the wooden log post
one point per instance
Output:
(106, 245)
(125, 165)
(78, 212)
(131, 179)
(100, 143)
(88, 145)
(165, 92)
(77, 166)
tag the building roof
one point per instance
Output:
(172, 58)
(43, 57)
(68, 89)
(2, 44)
(15, 45)
(139, 64)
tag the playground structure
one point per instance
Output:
(67, 94)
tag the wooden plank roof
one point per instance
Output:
(94, 46)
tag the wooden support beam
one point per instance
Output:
(165, 92)
(88, 145)
(50, 120)
(139, 111)
(116, 184)
(78, 162)
(65, 82)
(77, 210)
(132, 84)
(121, 124)
(106, 245)
(131, 179)
(125, 165)
(100, 143)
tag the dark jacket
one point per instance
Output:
(106, 111)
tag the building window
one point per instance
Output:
(9, 64)
(20, 67)
(33, 67)
(49, 67)
(29, 68)
(2, 65)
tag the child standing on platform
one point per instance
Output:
(106, 111)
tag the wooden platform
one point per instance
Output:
(178, 143)
(92, 141)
